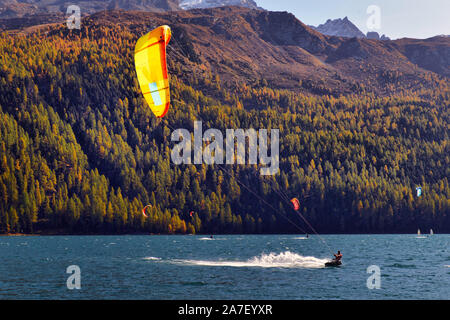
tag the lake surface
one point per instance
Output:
(225, 267)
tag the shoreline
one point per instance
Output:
(197, 234)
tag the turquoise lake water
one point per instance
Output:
(226, 267)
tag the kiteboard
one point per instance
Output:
(333, 263)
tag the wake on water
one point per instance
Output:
(152, 258)
(214, 239)
(285, 259)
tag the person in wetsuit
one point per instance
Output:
(338, 256)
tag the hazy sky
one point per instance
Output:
(398, 18)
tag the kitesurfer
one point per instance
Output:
(338, 256)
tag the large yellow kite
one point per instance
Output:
(151, 69)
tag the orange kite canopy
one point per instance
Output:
(151, 69)
(145, 208)
(295, 204)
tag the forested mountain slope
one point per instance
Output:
(81, 152)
